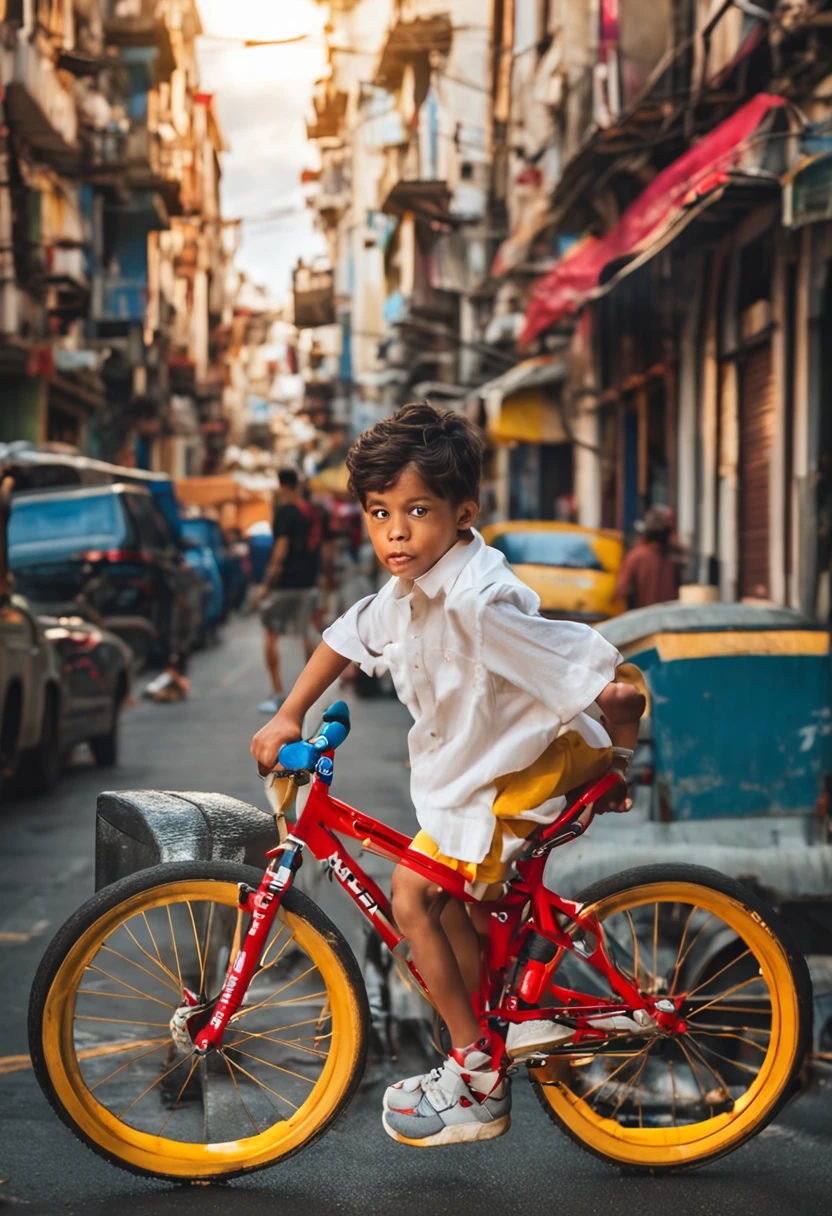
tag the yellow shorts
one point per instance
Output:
(569, 761)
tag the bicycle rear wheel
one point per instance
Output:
(668, 1104)
(104, 1055)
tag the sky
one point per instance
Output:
(263, 97)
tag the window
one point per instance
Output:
(55, 524)
(567, 550)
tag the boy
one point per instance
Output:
(498, 696)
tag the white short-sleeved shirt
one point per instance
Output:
(489, 683)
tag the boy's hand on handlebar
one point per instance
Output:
(266, 744)
(617, 800)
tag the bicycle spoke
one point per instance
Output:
(293, 1043)
(88, 1017)
(199, 957)
(691, 944)
(606, 1080)
(672, 1090)
(133, 963)
(625, 1085)
(711, 1034)
(635, 946)
(160, 1078)
(274, 941)
(696, 1077)
(699, 1047)
(721, 971)
(175, 1106)
(720, 1080)
(756, 979)
(267, 1003)
(161, 961)
(175, 951)
(265, 966)
(655, 943)
(239, 1095)
(277, 1067)
(209, 927)
(160, 1043)
(295, 1000)
(113, 996)
(257, 1081)
(145, 995)
(157, 962)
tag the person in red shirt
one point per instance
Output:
(649, 573)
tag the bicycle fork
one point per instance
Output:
(262, 906)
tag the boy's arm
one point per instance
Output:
(325, 666)
(622, 707)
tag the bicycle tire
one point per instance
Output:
(686, 878)
(49, 1044)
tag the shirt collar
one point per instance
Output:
(444, 573)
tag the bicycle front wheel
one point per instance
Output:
(667, 1104)
(102, 1050)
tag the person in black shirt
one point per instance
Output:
(291, 578)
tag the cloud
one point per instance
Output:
(263, 97)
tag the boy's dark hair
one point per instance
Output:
(288, 478)
(443, 447)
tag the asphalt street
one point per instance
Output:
(46, 871)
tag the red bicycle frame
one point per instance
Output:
(561, 921)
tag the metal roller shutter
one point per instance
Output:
(756, 420)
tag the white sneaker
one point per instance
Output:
(272, 704)
(462, 1101)
(535, 1037)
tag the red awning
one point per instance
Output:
(565, 288)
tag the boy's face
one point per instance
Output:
(411, 527)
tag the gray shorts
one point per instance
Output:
(289, 611)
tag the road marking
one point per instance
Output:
(10, 939)
(21, 1063)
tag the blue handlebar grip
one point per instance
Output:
(334, 732)
(298, 755)
(339, 711)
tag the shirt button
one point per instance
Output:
(433, 734)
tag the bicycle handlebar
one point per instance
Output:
(305, 753)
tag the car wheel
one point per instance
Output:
(105, 747)
(40, 766)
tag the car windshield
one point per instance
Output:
(60, 525)
(569, 550)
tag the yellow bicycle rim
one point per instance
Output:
(175, 1157)
(680, 1145)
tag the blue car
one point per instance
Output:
(232, 558)
(201, 557)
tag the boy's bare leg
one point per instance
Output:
(273, 660)
(418, 905)
(462, 932)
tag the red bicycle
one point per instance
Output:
(200, 1020)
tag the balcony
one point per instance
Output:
(154, 165)
(41, 110)
(132, 23)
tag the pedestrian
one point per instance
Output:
(649, 573)
(510, 711)
(289, 589)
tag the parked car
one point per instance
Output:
(231, 557)
(29, 698)
(104, 552)
(573, 569)
(95, 679)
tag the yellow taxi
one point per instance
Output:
(573, 569)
